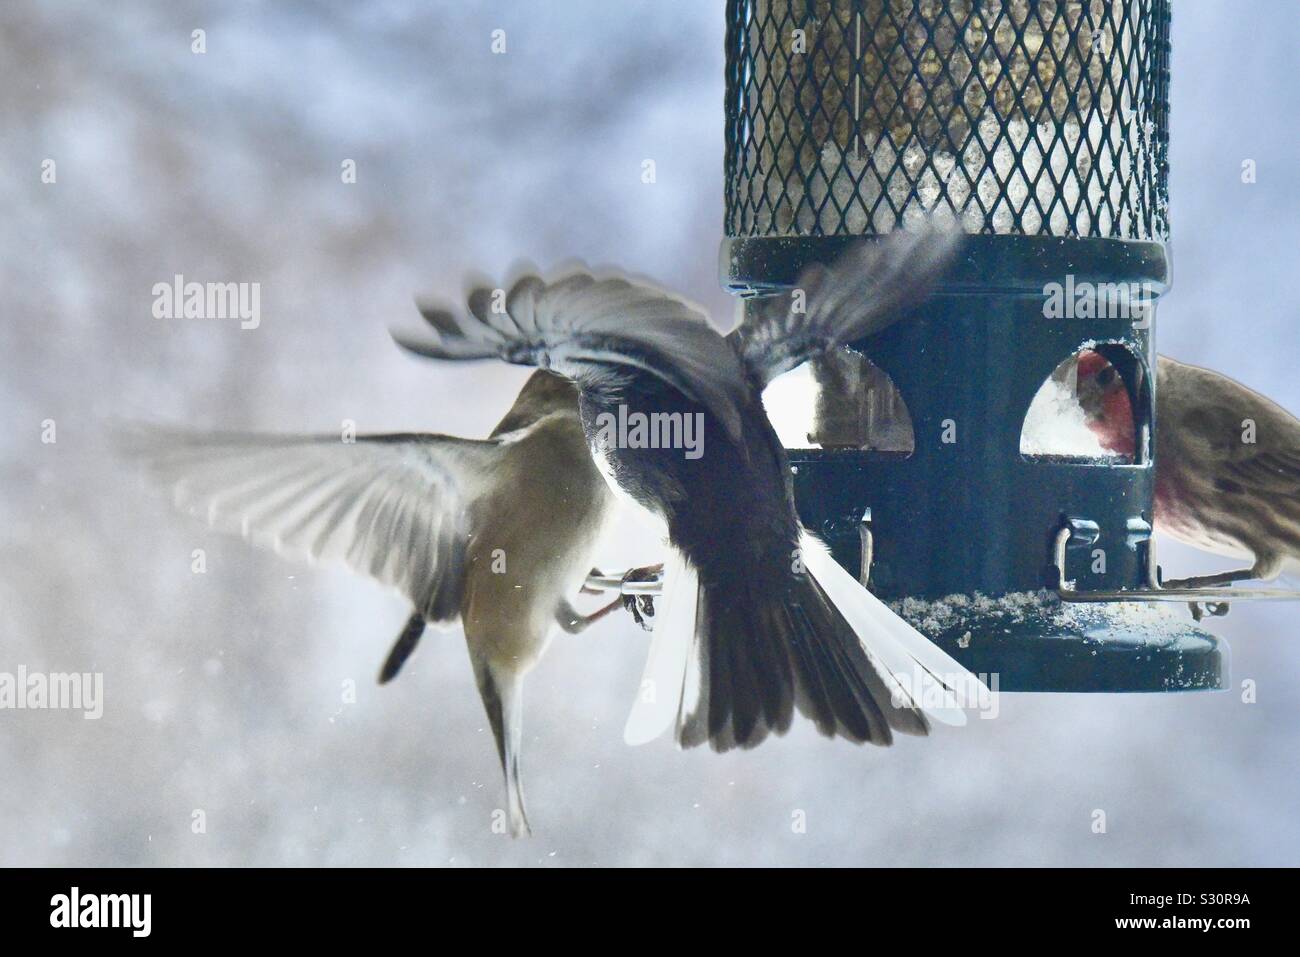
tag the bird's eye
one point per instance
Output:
(1106, 376)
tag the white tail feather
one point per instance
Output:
(913, 666)
(918, 673)
(665, 688)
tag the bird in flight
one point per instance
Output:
(756, 620)
(497, 533)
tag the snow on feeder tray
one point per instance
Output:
(1043, 125)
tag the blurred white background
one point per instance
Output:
(223, 690)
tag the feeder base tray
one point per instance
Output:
(1035, 642)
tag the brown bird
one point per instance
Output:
(496, 533)
(1227, 462)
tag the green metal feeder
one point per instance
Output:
(1044, 125)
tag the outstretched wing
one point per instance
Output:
(394, 507)
(580, 325)
(863, 291)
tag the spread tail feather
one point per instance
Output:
(929, 675)
(738, 665)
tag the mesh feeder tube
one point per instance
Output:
(1044, 127)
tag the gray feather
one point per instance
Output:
(867, 288)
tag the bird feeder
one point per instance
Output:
(1043, 125)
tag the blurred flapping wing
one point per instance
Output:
(394, 507)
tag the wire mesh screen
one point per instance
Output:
(1045, 117)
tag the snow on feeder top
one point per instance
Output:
(953, 470)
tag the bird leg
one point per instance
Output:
(1263, 570)
(574, 622)
(641, 606)
(1208, 581)
(1217, 609)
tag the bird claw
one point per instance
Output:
(643, 610)
(642, 607)
(1216, 609)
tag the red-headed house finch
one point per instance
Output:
(1227, 462)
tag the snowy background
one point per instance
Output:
(224, 690)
